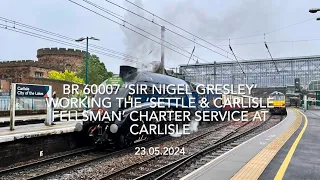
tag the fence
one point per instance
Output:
(29, 104)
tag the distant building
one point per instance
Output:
(264, 72)
(36, 72)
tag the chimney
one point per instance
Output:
(126, 70)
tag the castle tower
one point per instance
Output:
(61, 58)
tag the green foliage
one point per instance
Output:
(97, 72)
(79, 95)
(65, 76)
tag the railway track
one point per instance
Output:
(160, 161)
(46, 160)
(62, 166)
(206, 149)
(49, 167)
(187, 165)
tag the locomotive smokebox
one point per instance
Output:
(126, 70)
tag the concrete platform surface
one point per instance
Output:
(230, 163)
(303, 161)
(36, 130)
(40, 117)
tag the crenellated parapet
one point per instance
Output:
(60, 51)
(61, 57)
(27, 63)
(17, 62)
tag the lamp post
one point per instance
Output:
(87, 59)
(87, 54)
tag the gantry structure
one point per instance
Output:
(264, 73)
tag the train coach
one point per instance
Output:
(118, 132)
(208, 97)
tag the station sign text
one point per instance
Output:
(26, 90)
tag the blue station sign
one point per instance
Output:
(28, 90)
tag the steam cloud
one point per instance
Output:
(236, 20)
(193, 128)
(146, 50)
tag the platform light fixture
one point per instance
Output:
(87, 57)
(80, 39)
(87, 53)
(314, 10)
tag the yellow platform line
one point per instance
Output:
(255, 167)
(287, 160)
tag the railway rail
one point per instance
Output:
(59, 164)
(56, 165)
(46, 160)
(62, 166)
(186, 165)
(159, 167)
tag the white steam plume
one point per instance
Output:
(193, 128)
(146, 50)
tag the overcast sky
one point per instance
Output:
(211, 20)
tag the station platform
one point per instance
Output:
(38, 118)
(36, 130)
(289, 150)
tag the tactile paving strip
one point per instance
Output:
(255, 167)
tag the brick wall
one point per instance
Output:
(21, 74)
(48, 59)
(29, 148)
(17, 73)
(61, 57)
(44, 72)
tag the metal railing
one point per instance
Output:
(29, 104)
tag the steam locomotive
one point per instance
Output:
(118, 132)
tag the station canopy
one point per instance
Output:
(314, 85)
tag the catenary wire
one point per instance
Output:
(126, 22)
(60, 42)
(16, 23)
(260, 34)
(152, 29)
(183, 30)
(269, 42)
(269, 32)
(171, 30)
(123, 25)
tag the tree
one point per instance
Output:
(65, 76)
(79, 95)
(97, 71)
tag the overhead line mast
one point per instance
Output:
(237, 61)
(271, 56)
